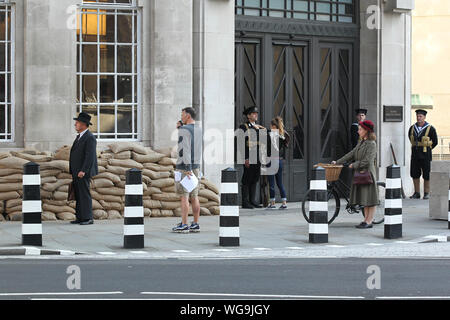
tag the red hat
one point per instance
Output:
(368, 125)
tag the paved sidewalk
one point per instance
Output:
(263, 234)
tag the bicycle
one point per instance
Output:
(338, 189)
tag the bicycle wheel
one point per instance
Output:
(334, 206)
(378, 217)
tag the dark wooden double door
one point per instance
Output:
(310, 84)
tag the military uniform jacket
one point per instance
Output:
(417, 135)
(252, 141)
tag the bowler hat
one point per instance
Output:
(420, 111)
(84, 117)
(250, 110)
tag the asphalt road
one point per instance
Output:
(270, 279)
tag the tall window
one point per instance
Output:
(108, 75)
(6, 72)
(320, 10)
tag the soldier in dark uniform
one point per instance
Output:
(252, 171)
(423, 139)
(360, 117)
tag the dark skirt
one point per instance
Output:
(365, 195)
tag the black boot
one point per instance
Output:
(253, 196)
(245, 198)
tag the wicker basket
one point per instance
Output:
(332, 171)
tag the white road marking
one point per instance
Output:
(138, 252)
(262, 249)
(335, 246)
(222, 250)
(405, 242)
(107, 253)
(59, 294)
(249, 295)
(180, 251)
(374, 244)
(414, 298)
(294, 248)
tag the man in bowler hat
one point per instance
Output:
(83, 166)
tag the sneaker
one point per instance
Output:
(271, 207)
(364, 225)
(195, 227)
(283, 207)
(416, 195)
(181, 228)
(426, 196)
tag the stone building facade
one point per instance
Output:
(134, 64)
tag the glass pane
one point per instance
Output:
(2, 57)
(124, 29)
(90, 89)
(90, 58)
(124, 119)
(279, 14)
(2, 87)
(323, 7)
(124, 59)
(2, 25)
(300, 5)
(107, 28)
(89, 26)
(124, 89)
(251, 12)
(252, 3)
(276, 4)
(107, 89)
(107, 54)
(107, 119)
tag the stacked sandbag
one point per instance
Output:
(107, 188)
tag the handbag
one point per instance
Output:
(362, 178)
(71, 194)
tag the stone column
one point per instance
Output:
(49, 69)
(167, 64)
(214, 81)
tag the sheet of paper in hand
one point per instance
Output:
(190, 183)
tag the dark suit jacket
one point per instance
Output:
(83, 156)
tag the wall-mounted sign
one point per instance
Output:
(393, 114)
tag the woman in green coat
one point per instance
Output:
(363, 158)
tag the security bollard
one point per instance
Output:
(31, 206)
(134, 229)
(393, 204)
(229, 210)
(318, 207)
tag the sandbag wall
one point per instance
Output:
(107, 189)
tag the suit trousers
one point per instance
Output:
(83, 198)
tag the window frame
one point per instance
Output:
(136, 66)
(288, 11)
(9, 7)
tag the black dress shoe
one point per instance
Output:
(86, 223)
(364, 225)
(75, 222)
(426, 196)
(247, 206)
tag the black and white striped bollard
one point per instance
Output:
(229, 210)
(393, 204)
(31, 206)
(134, 229)
(318, 207)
